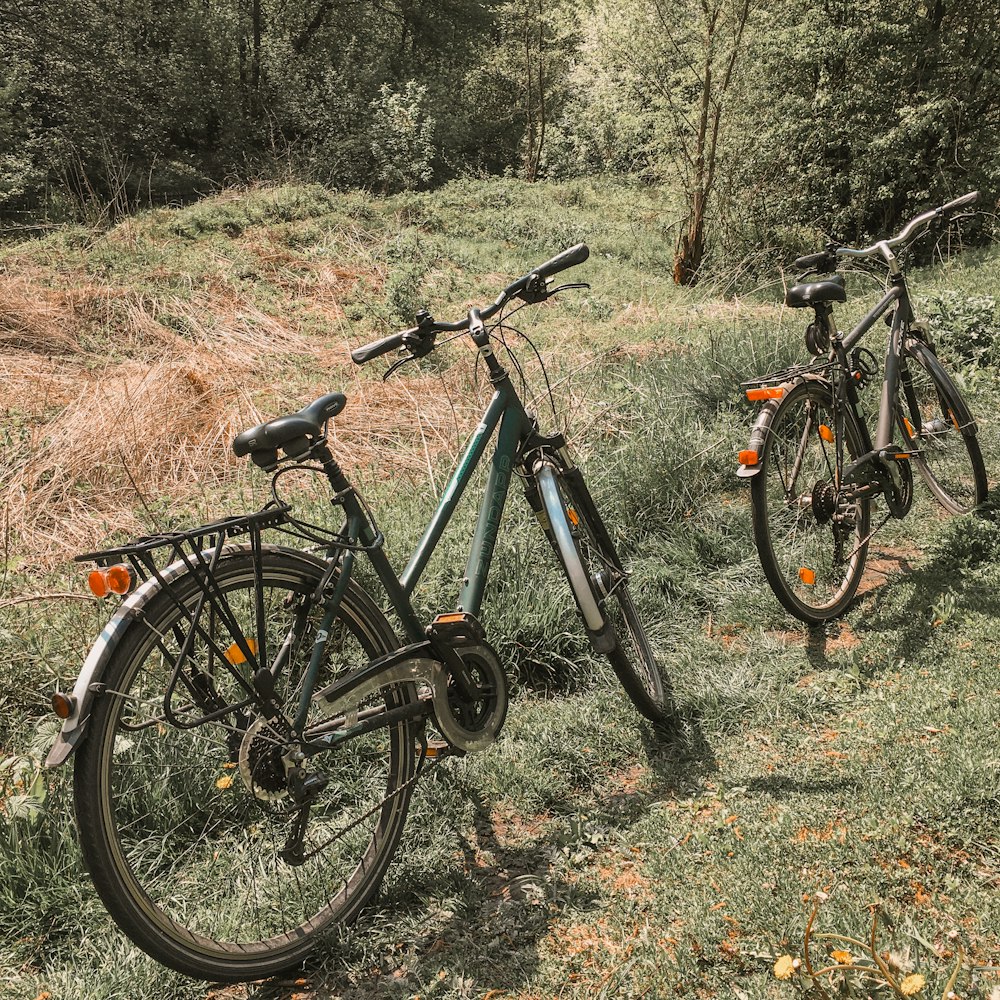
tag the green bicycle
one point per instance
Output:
(249, 725)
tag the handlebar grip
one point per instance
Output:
(953, 206)
(822, 261)
(374, 350)
(568, 258)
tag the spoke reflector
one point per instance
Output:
(909, 428)
(807, 576)
(574, 518)
(951, 413)
(235, 655)
(825, 433)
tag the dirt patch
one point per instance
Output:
(885, 563)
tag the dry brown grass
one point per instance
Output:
(95, 445)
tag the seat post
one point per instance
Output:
(331, 467)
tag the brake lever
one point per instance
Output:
(397, 364)
(568, 286)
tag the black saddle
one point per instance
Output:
(814, 292)
(294, 434)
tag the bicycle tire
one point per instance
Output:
(812, 564)
(936, 423)
(182, 846)
(599, 581)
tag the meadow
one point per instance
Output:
(838, 774)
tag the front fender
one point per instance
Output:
(86, 687)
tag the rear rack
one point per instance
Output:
(208, 639)
(788, 374)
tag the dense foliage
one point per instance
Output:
(775, 120)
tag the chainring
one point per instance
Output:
(898, 493)
(475, 722)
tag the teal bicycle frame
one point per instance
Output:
(506, 415)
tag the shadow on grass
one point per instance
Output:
(947, 581)
(515, 873)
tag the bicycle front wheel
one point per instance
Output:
(182, 796)
(811, 538)
(937, 425)
(600, 585)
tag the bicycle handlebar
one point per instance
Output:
(379, 347)
(884, 247)
(568, 258)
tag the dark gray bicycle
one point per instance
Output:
(250, 726)
(815, 469)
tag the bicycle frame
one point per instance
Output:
(896, 298)
(506, 412)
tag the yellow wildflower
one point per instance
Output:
(842, 957)
(225, 781)
(784, 968)
(912, 985)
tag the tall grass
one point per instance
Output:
(581, 854)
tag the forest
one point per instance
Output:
(775, 119)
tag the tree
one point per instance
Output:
(678, 82)
(861, 113)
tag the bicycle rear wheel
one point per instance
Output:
(186, 830)
(811, 540)
(937, 425)
(600, 585)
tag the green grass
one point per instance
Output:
(584, 855)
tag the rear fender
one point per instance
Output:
(762, 426)
(87, 684)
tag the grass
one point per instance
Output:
(582, 855)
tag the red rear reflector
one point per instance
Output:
(749, 457)
(768, 392)
(113, 580)
(63, 704)
(119, 579)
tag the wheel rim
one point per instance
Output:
(610, 586)
(931, 427)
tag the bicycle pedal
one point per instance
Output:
(439, 749)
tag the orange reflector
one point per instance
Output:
(909, 427)
(450, 618)
(900, 455)
(119, 579)
(235, 655)
(574, 518)
(113, 580)
(98, 583)
(951, 413)
(767, 392)
(63, 704)
(825, 433)
(748, 457)
(807, 576)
